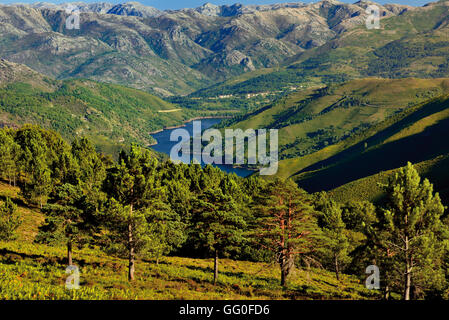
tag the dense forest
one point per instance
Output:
(138, 209)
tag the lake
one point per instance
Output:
(164, 144)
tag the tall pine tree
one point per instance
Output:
(416, 236)
(136, 204)
(285, 223)
(218, 216)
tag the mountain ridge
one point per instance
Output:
(175, 52)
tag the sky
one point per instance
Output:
(178, 4)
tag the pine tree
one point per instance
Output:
(9, 152)
(64, 218)
(132, 192)
(72, 207)
(336, 243)
(285, 223)
(35, 162)
(165, 229)
(10, 220)
(179, 193)
(416, 236)
(91, 168)
(218, 216)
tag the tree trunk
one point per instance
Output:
(337, 268)
(287, 265)
(216, 267)
(408, 273)
(387, 293)
(282, 276)
(284, 271)
(69, 252)
(131, 247)
(408, 278)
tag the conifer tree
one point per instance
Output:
(218, 222)
(9, 152)
(336, 242)
(415, 234)
(134, 195)
(91, 168)
(174, 177)
(10, 220)
(64, 218)
(72, 208)
(165, 229)
(285, 223)
(34, 160)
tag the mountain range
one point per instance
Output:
(172, 52)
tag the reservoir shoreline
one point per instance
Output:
(164, 145)
(189, 120)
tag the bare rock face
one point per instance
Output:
(179, 50)
(134, 9)
(99, 7)
(238, 58)
(209, 9)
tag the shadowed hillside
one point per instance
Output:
(417, 137)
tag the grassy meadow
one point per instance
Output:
(36, 271)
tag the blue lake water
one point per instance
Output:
(164, 144)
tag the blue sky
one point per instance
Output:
(177, 4)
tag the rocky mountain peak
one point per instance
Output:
(209, 9)
(134, 9)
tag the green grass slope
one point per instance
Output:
(368, 188)
(417, 135)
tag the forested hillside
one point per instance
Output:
(110, 115)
